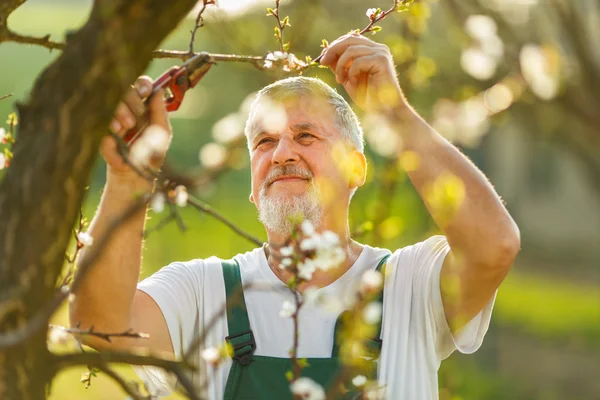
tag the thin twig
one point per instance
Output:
(198, 23)
(209, 210)
(6, 96)
(297, 368)
(102, 335)
(398, 5)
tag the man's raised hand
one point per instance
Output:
(366, 70)
(128, 112)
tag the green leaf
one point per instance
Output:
(324, 43)
(286, 21)
(303, 362)
(289, 375)
(286, 46)
(375, 29)
(270, 11)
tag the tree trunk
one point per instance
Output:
(60, 129)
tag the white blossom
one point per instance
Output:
(155, 140)
(371, 280)
(212, 155)
(286, 262)
(330, 239)
(2, 161)
(307, 389)
(2, 133)
(308, 244)
(329, 257)
(307, 228)
(539, 72)
(478, 64)
(311, 295)
(211, 355)
(57, 336)
(359, 380)
(228, 128)
(480, 27)
(181, 196)
(372, 312)
(85, 238)
(158, 202)
(287, 309)
(375, 393)
(306, 269)
(286, 251)
(371, 12)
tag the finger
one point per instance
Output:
(143, 86)
(339, 46)
(363, 66)
(346, 59)
(134, 102)
(124, 117)
(158, 111)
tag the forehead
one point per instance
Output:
(299, 112)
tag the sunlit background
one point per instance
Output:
(516, 84)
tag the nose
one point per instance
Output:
(285, 152)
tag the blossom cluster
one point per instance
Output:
(178, 196)
(311, 251)
(287, 61)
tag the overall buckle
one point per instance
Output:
(243, 346)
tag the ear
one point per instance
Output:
(358, 173)
(251, 198)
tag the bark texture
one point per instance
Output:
(60, 129)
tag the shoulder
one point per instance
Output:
(432, 246)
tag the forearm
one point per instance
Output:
(105, 298)
(458, 196)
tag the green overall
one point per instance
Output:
(260, 377)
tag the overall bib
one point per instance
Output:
(263, 378)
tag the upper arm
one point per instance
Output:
(467, 287)
(147, 317)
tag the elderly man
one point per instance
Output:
(438, 294)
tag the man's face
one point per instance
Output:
(295, 163)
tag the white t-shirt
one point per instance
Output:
(415, 334)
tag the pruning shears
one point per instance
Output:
(177, 80)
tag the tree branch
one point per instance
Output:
(129, 387)
(102, 359)
(209, 210)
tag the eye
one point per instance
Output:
(263, 141)
(306, 135)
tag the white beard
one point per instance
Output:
(279, 214)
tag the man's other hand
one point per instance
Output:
(366, 70)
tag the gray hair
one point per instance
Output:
(345, 120)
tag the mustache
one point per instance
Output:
(286, 170)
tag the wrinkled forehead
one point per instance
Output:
(269, 114)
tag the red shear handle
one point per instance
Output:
(177, 80)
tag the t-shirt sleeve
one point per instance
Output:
(175, 288)
(429, 257)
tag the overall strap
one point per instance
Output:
(381, 268)
(240, 335)
(373, 344)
